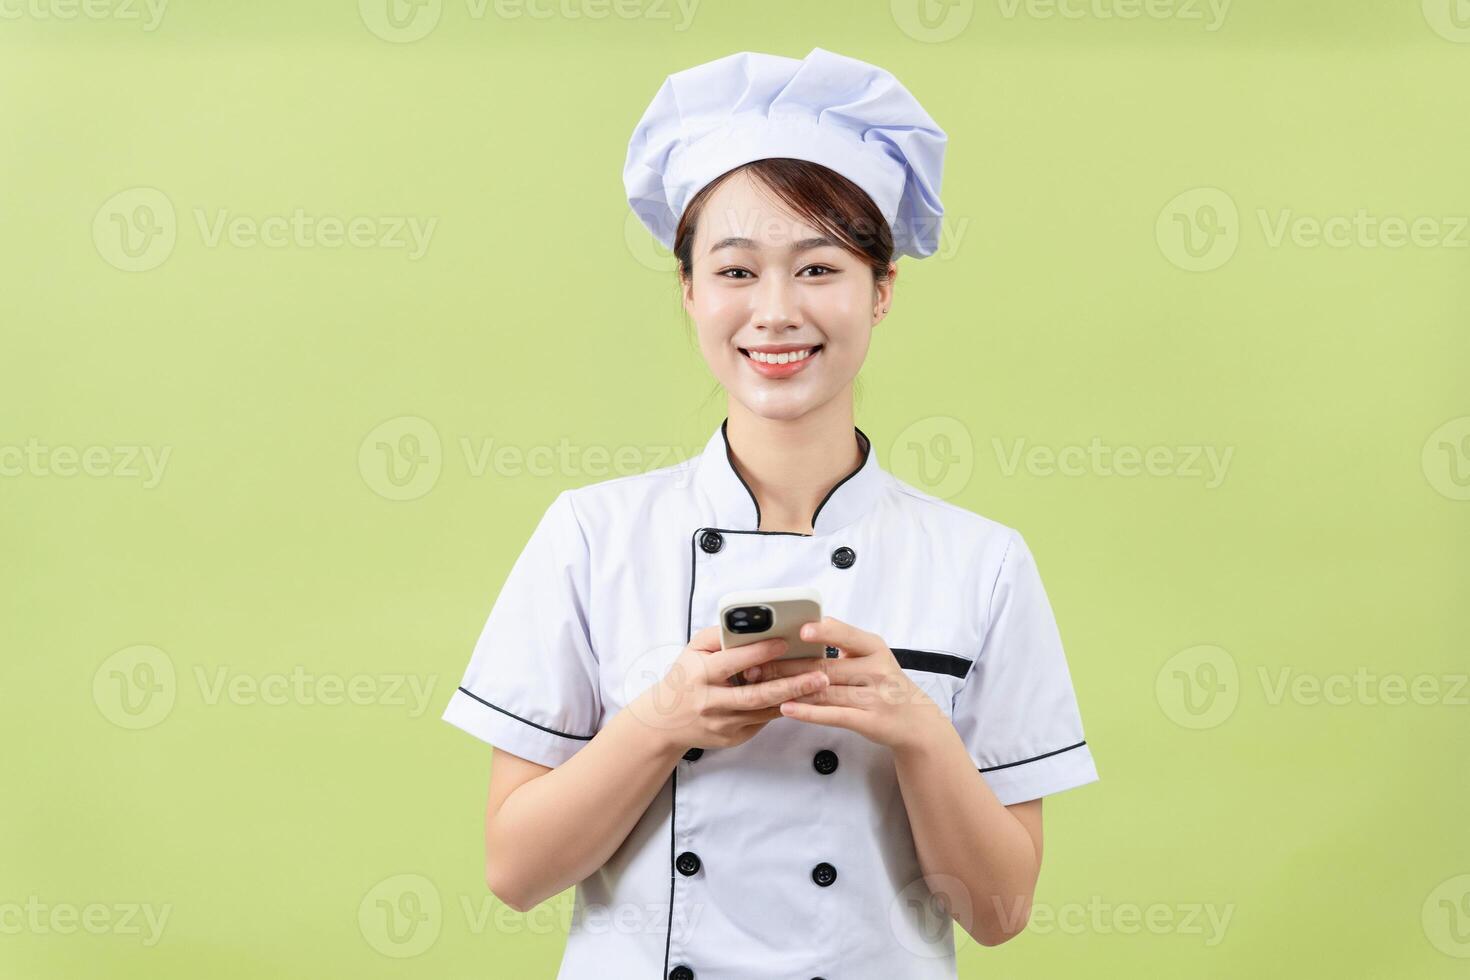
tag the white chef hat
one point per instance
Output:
(844, 114)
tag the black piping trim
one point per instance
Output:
(1043, 755)
(938, 663)
(867, 451)
(553, 731)
(688, 635)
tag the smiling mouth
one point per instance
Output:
(784, 357)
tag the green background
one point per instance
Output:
(1331, 548)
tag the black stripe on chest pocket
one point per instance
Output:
(937, 663)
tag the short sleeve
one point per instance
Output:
(531, 687)
(1016, 711)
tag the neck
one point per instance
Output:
(790, 465)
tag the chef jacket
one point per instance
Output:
(790, 855)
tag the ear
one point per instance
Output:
(883, 295)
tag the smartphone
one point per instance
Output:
(764, 614)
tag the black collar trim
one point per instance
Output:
(730, 459)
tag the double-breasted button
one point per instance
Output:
(693, 754)
(824, 874)
(711, 541)
(825, 762)
(681, 973)
(688, 863)
(844, 557)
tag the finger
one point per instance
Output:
(850, 696)
(834, 632)
(707, 639)
(724, 663)
(770, 693)
(850, 670)
(824, 714)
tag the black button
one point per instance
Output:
(681, 973)
(693, 754)
(825, 762)
(824, 874)
(832, 651)
(711, 541)
(688, 863)
(843, 557)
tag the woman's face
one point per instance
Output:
(764, 282)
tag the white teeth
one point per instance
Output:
(786, 358)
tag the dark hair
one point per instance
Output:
(819, 195)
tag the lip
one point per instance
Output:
(780, 370)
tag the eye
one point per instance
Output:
(825, 269)
(743, 272)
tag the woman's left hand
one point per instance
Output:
(868, 691)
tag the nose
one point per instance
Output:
(776, 304)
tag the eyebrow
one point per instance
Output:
(805, 244)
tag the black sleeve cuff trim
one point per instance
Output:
(552, 731)
(1043, 755)
(939, 663)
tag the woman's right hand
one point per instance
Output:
(695, 703)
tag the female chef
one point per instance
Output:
(726, 815)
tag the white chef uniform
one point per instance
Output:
(791, 855)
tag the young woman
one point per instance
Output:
(726, 815)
